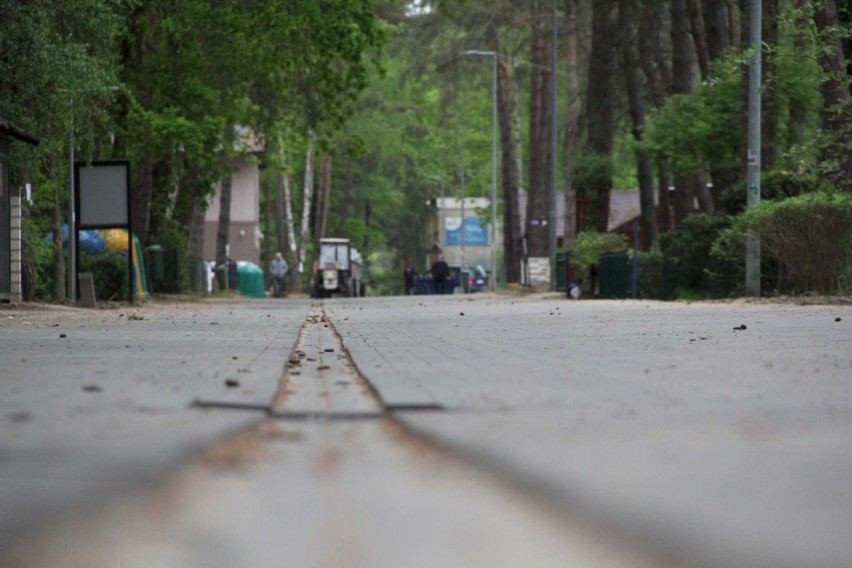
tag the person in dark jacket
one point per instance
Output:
(440, 273)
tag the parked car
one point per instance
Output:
(464, 278)
(472, 277)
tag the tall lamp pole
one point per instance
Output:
(553, 149)
(492, 282)
(72, 222)
(461, 185)
(752, 282)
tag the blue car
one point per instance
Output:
(471, 277)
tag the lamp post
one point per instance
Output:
(72, 234)
(461, 187)
(553, 150)
(492, 283)
(752, 283)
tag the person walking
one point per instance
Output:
(278, 268)
(440, 273)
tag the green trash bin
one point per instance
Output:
(154, 258)
(250, 280)
(614, 275)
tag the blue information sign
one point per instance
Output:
(475, 234)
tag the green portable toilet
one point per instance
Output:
(250, 280)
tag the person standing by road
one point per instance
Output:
(440, 273)
(278, 268)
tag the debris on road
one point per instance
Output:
(92, 388)
(232, 383)
(740, 327)
(20, 417)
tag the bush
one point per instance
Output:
(693, 270)
(42, 252)
(590, 245)
(774, 186)
(109, 270)
(654, 278)
(808, 239)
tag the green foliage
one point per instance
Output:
(654, 279)
(385, 278)
(589, 245)
(691, 266)
(807, 238)
(774, 186)
(593, 173)
(109, 270)
(43, 251)
(693, 130)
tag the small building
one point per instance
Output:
(244, 235)
(10, 216)
(464, 241)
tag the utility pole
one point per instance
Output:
(752, 283)
(492, 282)
(553, 148)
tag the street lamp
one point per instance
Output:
(553, 149)
(493, 54)
(752, 280)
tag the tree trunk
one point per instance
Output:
(280, 215)
(224, 228)
(658, 78)
(699, 38)
(600, 107)
(58, 252)
(683, 75)
(307, 196)
(837, 107)
(195, 245)
(518, 135)
(141, 190)
(295, 269)
(266, 187)
(769, 100)
(322, 202)
(538, 234)
(636, 107)
(664, 213)
(717, 27)
(511, 216)
(346, 197)
(571, 134)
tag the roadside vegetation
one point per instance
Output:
(367, 111)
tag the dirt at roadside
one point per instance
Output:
(39, 314)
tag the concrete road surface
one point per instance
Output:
(429, 431)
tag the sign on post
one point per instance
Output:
(102, 199)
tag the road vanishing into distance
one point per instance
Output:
(483, 430)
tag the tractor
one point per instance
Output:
(338, 271)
